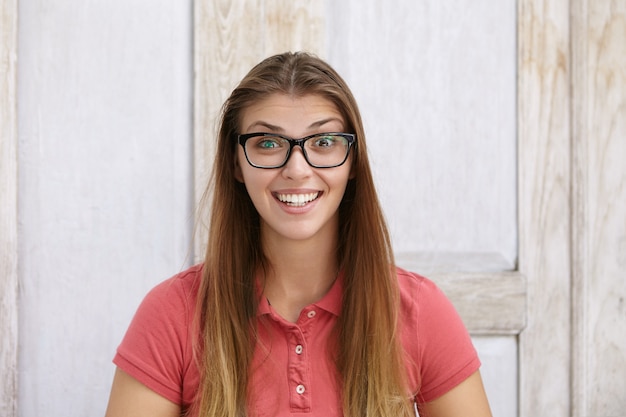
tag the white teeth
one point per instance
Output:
(297, 199)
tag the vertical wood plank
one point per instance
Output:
(544, 196)
(231, 37)
(8, 208)
(599, 204)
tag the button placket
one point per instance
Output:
(298, 371)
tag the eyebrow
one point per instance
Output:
(279, 129)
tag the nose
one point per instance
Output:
(296, 166)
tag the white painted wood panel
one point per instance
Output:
(8, 209)
(436, 85)
(105, 185)
(599, 197)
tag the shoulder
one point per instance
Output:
(167, 309)
(415, 289)
(423, 302)
(157, 349)
(171, 301)
(408, 278)
(181, 287)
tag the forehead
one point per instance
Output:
(288, 112)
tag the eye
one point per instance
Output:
(268, 142)
(327, 141)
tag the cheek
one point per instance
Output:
(339, 181)
(256, 181)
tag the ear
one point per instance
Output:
(237, 170)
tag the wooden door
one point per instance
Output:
(509, 192)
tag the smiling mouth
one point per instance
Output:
(297, 200)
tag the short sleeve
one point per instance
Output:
(439, 341)
(156, 349)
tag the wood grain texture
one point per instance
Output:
(230, 38)
(488, 303)
(599, 204)
(8, 208)
(224, 35)
(294, 26)
(544, 205)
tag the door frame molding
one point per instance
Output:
(8, 209)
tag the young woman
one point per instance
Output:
(298, 308)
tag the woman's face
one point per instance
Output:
(295, 202)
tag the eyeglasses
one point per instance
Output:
(322, 150)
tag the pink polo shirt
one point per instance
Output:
(292, 371)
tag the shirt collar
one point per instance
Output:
(331, 302)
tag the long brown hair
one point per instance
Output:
(369, 356)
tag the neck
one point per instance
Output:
(300, 274)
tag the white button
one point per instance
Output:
(299, 349)
(310, 314)
(300, 389)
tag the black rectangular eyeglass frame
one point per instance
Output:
(242, 139)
